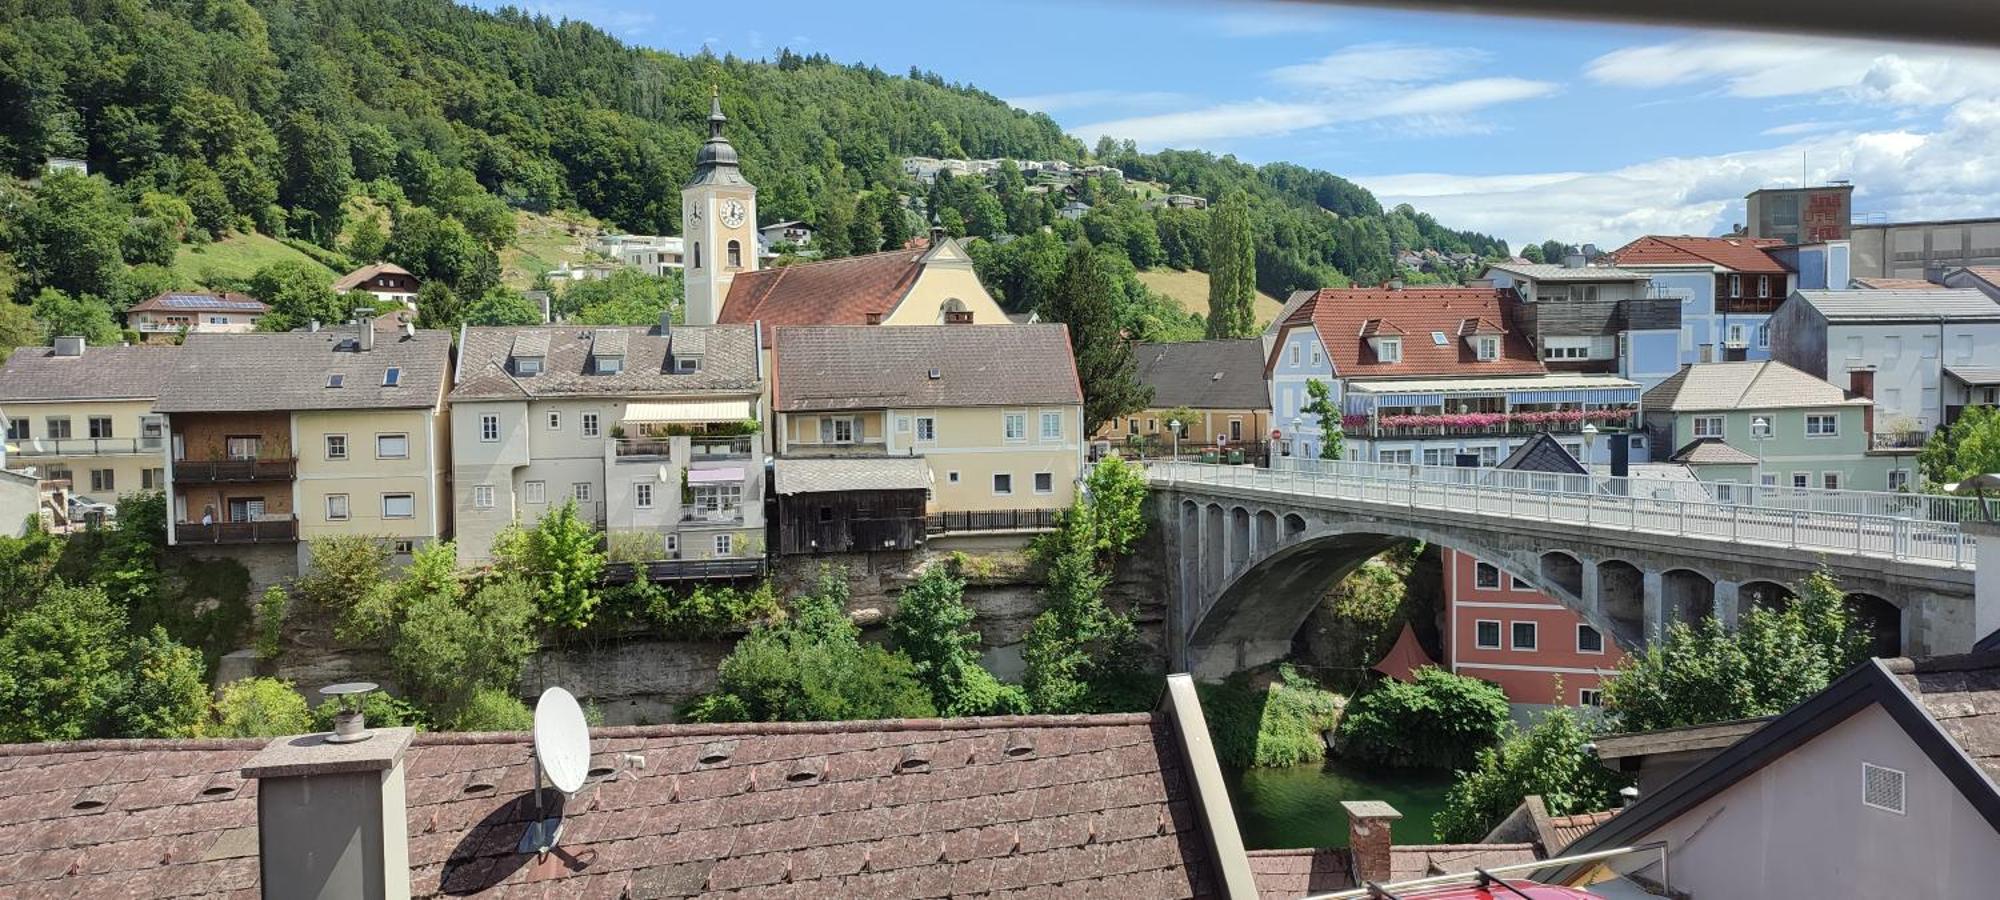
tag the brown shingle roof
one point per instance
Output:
(1099, 806)
(831, 292)
(1737, 254)
(360, 276)
(1897, 284)
(1346, 317)
(728, 361)
(288, 371)
(838, 368)
(101, 373)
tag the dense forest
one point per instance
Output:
(413, 130)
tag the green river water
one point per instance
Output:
(1299, 806)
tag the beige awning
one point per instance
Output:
(689, 411)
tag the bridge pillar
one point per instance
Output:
(1728, 602)
(1653, 590)
(1588, 592)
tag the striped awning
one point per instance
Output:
(689, 411)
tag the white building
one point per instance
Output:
(1908, 338)
(650, 253)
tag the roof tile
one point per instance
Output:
(1342, 316)
(843, 291)
(1737, 254)
(845, 368)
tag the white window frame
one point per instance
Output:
(1039, 476)
(1314, 345)
(829, 429)
(1534, 635)
(1590, 696)
(395, 436)
(1801, 480)
(535, 492)
(1052, 417)
(482, 496)
(1899, 480)
(1829, 425)
(997, 476)
(1764, 335)
(927, 429)
(1519, 586)
(345, 512)
(1294, 355)
(1499, 634)
(1479, 570)
(580, 491)
(1486, 348)
(592, 426)
(642, 495)
(951, 477)
(555, 420)
(1832, 480)
(1581, 627)
(1389, 350)
(489, 428)
(335, 446)
(1720, 430)
(412, 498)
(725, 545)
(1014, 427)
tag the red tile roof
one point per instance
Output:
(1737, 254)
(1564, 830)
(1297, 873)
(1345, 317)
(831, 292)
(1097, 805)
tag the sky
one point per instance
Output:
(1524, 129)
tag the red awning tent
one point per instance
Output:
(1404, 659)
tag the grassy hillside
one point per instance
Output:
(236, 258)
(541, 242)
(1190, 290)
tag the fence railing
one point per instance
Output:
(213, 470)
(84, 446)
(993, 520)
(262, 531)
(1900, 537)
(681, 570)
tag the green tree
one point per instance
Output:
(932, 626)
(298, 295)
(1774, 659)
(344, 569)
(318, 174)
(1553, 759)
(68, 236)
(1082, 299)
(18, 327)
(1533, 253)
(27, 565)
(1332, 444)
(560, 560)
(1081, 655)
(1281, 724)
(438, 307)
(167, 695)
(493, 709)
(366, 241)
(62, 666)
(62, 315)
(1232, 268)
(1439, 720)
(1113, 509)
(1971, 446)
(208, 201)
(501, 306)
(261, 707)
(627, 297)
(437, 247)
(449, 645)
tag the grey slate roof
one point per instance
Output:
(288, 371)
(101, 373)
(820, 476)
(1848, 307)
(1711, 451)
(1552, 272)
(1542, 453)
(877, 367)
(1975, 375)
(728, 361)
(1205, 374)
(1706, 387)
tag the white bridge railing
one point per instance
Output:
(1599, 501)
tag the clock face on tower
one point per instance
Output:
(694, 212)
(732, 213)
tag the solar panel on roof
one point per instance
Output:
(204, 301)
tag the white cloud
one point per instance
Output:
(1368, 65)
(1261, 118)
(1259, 20)
(1762, 67)
(1462, 96)
(1095, 99)
(1947, 171)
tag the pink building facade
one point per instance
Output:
(1505, 631)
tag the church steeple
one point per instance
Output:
(716, 163)
(718, 222)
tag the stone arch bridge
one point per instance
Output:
(1253, 549)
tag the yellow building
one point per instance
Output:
(995, 413)
(84, 415)
(1215, 389)
(282, 438)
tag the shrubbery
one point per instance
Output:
(1440, 720)
(1081, 655)
(261, 707)
(1281, 725)
(932, 627)
(1552, 759)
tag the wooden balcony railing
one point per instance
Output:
(210, 471)
(263, 531)
(991, 520)
(682, 570)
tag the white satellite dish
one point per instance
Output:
(562, 740)
(562, 755)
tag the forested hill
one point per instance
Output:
(274, 114)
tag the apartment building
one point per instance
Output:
(995, 412)
(84, 415)
(1437, 376)
(1504, 630)
(1599, 319)
(1766, 423)
(1220, 382)
(1727, 288)
(167, 316)
(654, 433)
(282, 438)
(1907, 338)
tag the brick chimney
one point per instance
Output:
(1861, 383)
(331, 819)
(1368, 840)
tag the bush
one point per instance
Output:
(60, 666)
(261, 707)
(344, 569)
(1081, 655)
(1281, 725)
(447, 646)
(1440, 721)
(1553, 759)
(705, 611)
(378, 709)
(932, 626)
(560, 559)
(271, 622)
(167, 696)
(492, 709)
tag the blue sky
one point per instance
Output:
(1527, 129)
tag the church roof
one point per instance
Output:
(845, 291)
(715, 164)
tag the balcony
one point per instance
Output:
(836, 448)
(1491, 424)
(216, 471)
(1897, 440)
(263, 531)
(731, 515)
(682, 570)
(991, 520)
(85, 446)
(643, 447)
(739, 447)
(1754, 305)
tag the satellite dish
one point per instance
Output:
(562, 740)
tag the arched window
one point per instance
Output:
(735, 255)
(954, 312)
(697, 256)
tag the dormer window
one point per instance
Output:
(392, 376)
(1487, 347)
(1389, 349)
(610, 365)
(527, 366)
(687, 364)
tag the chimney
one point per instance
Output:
(1861, 383)
(1368, 840)
(1627, 796)
(1573, 259)
(313, 326)
(70, 345)
(666, 322)
(331, 816)
(1395, 284)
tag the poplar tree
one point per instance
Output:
(1085, 298)
(1232, 269)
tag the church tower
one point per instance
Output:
(718, 223)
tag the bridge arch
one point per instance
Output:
(1765, 594)
(1687, 596)
(1560, 568)
(1880, 619)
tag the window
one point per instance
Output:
(1566, 349)
(103, 480)
(1708, 426)
(58, 427)
(1764, 336)
(687, 364)
(717, 498)
(673, 545)
(59, 473)
(489, 428)
(1488, 456)
(902, 424)
(1589, 640)
(1768, 479)
(1735, 286)
(1486, 575)
(735, 251)
(1801, 480)
(1830, 480)
(1523, 636)
(1763, 285)
(555, 420)
(589, 421)
(1016, 426)
(1293, 353)
(927, 428)
(836, 430)
(100, 426)
(1899, 480)
(642, 495)
(403, 547)
(1389, 350)
(1488, 348)
(1045, 483)
(392, 446)
(1131, 426)
(1822, 425)
(1486, 634)
(1518, 585)
(392, 376)
(152, 479)
(17, 429)
(336, 507)
(697, 255)
(399, 506)
(951, 477)
(1437, 456)
(527, 366)
(1638, 442)
(335, 379)
(581, 491)
(1394, 457)
(534, 491)
(610, 365)
(243, 447)
(1589, 697)
(482, 496)
(336, 446)
(1315, 355)
(1736, 335)
(1003, 484)
(1153, 426)
(1052, 426)
(725, 544)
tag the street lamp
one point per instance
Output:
(1760, 431)
(1589, 449)
(1174, 425)
(1298, 425)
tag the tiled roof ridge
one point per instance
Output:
(125, 745)
(1953, 662)
(826, 262)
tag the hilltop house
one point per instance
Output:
(1727, 288)
(276, 439)
(651, 431)
(84, 415)
(1221, 382)
(170, 314)
(993, 412)
(1766, 423)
